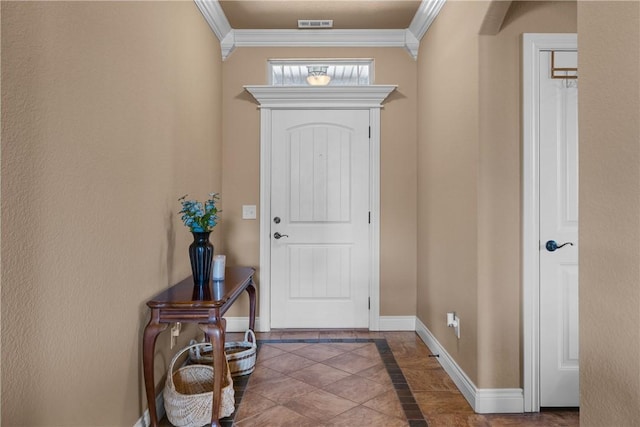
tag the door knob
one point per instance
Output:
(277, 235)
(551, 245)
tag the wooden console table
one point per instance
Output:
(186, 303)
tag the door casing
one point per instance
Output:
(328, 97)
(532, 45)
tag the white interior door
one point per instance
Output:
(559, 375)
(320, 219)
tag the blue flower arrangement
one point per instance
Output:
(200, 217)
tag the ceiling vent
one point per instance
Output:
(305, 24)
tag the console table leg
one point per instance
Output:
(151, 331)
(215, 332)
(251, 290)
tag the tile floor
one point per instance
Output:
(356, 379)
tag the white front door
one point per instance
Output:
(559, 375)
(320, 219)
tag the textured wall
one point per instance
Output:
(248, 66)
(448, 142)
(110, 112)
(609, 120)
(500, 184)
(469, 182)
(1, 138)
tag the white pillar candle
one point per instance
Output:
(218, 267)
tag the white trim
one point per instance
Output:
(385, 323)
(265, 220)
(499, 401)
(339, 97)
(532, 45)
(461, 380)
(320, 38)
(408, 38)
(240, 324)
(374, 200)
(424, 17)
(215, 17)
(145, 419)
(411, 43)
(397, 323)
(313, 97)
(483, 401)
(228, 44)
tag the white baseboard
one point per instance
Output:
(499, 401)
(240, 324)
(145, 419)
(483, 401)
(397, 323)
(461, 380)
(387, 323)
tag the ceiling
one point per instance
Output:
(356, 23)
(346, 14)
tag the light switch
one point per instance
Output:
(248, 211)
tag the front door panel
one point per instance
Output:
(320, 196)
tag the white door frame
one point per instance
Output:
(329, 97)
(533, 44)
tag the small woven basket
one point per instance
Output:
(188, 394)
(241, 355)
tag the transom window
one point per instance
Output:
(332, 72)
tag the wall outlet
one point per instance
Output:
(175, 332)
(453, 321)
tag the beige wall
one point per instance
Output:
(110, 112)
(447, 178)
(609, 121)
(1, 138)
(241, 182)
(499, 186)
(469, 182)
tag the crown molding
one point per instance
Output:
(411, 43)
(215, 17)
(424, 17)
(314, 38)
(408, 38)
(275, 97)
(228, 44)
(326, 38)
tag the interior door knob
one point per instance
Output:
(277, 235)
(551, 245)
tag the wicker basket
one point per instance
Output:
(188, 394)
(241, 355)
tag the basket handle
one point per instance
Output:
(253, 337)
(206, 347)
(175, 359)
(197, 349)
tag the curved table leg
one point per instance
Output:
(151, 331)
(251, 290)
(215, 332)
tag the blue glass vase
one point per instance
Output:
(201, 254)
